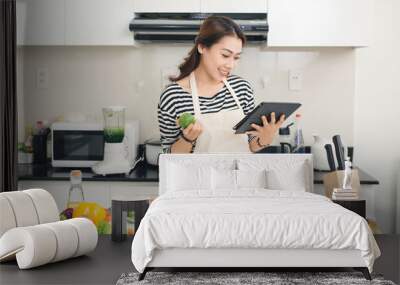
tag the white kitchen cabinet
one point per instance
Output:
(40, 22)
(311, 23)
(126, 190)
(98, 22)
(170, 6)
(93, 191)
(100, 192)
(196, 6)
(74, 22)
(58, 189)
(233, 6)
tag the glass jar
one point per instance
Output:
(114, 124)
(75, 192)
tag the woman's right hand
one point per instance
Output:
(193, 131)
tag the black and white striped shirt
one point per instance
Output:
(175, 101)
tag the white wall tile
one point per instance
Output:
(84, 79)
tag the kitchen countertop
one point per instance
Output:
(142, 173)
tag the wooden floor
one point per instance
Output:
(111, 259)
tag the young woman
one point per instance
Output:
(207, 89)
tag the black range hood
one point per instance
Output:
(183, 27)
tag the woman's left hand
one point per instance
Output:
(267, 132)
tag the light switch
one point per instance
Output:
(295, 80)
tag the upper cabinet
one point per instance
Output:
(74, 22)
(98, 22)
(307, 23)
(292, 23)
(202, 6)
(167, 6)
(40, 22)
(233, 6)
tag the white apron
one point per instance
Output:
(218, 135)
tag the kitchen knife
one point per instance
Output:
(331, 159)
(337, 141)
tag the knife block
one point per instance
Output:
(334, 179)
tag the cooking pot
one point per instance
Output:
(152, 150)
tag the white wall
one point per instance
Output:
(84, 79)
(376, 113)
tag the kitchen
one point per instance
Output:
(71, 65)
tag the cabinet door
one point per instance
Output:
(132, 190)
(40, 22)
(97, 192)
(319, 23)
(58, 189)
(233, 6)
(93, 191)
(98, 22)
(170, 6)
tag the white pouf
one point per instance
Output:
(6, 215)
(31, 232)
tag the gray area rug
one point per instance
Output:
(229, 278)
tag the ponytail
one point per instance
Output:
(190, 63)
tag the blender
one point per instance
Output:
(116, 150)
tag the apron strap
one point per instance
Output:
(233, 94)
(195, 96)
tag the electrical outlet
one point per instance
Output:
(42, 78)
(295, 80)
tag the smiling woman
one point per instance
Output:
(207, 89)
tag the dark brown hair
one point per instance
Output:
(211, 31)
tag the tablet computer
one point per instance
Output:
(265, 108)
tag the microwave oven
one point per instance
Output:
(77, 144)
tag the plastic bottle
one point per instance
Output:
(298, 136)
(75, 189)
(29, 138)
(347, 174)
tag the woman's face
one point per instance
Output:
(221, 58)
